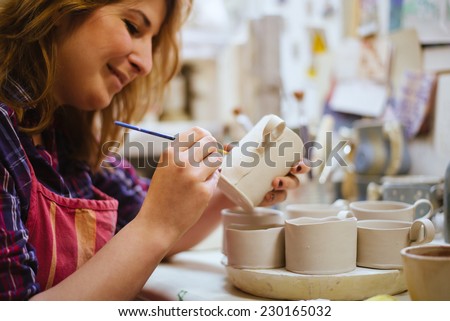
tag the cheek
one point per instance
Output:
(120, 44)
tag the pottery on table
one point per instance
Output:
(268, 151)
(259, 216)
(280, 284)
(380, 241)
(389, 210)
(408, 189)
(315, 210)
(320, 245)
(253, 247)
(427, 272)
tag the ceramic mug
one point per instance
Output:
(269, 150)
(380, 241)
(321, 245)
(315, 210)
(389, 210)
(255, 247)
(408, 189)
(259, 216)
(427, 272)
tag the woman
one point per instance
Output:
(71, 229)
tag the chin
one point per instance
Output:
(99, 103)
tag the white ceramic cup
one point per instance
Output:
(320, 245)
(389, 210)
(269, 150)
(427, 272)
(314, 210)
(259, 216)
(380, 241)
(408, 189)
(255, 247)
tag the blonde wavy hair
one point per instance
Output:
(27, 55)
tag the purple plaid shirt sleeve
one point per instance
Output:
(123, 184)
(18, 263)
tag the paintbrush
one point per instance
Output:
(150, 132)
(142, 130)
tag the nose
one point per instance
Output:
(141, 58)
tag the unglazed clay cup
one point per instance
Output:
(380, 241)
(427, 272)
(408, 189)
(320, 245)
(389, 210)
(315, 210)
(259, 216)
(251, 247)
(268, 151)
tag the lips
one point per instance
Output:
(123, 79)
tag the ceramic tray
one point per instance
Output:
(360, 284)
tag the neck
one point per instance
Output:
(37, 139)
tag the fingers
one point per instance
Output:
(299, 168)
(208, 168)
(212, 180)
(206, 146)
(274, 197)
(228, 147)
(194, 145)
(289, 181)
(189, 138)
(282, 184)
(197, 150)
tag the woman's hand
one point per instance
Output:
(282, 184)
(184, 181)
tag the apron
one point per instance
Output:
(66, 232)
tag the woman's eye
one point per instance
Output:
(132, 29)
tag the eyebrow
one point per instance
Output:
(143, 17)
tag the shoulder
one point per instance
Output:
(10, 145)
(8, 122)
(15, 190)
(14, 170)
(6, 112)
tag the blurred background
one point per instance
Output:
(367, 81)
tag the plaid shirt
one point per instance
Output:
(18, 261)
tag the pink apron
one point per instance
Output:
(67, 232)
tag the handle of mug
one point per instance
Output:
(340, 203)
(422, 231)
(272, 131)
(344, 214)
(437, 191)
(430, 212)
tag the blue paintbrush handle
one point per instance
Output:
(119, 123)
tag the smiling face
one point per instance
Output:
(111, 48)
